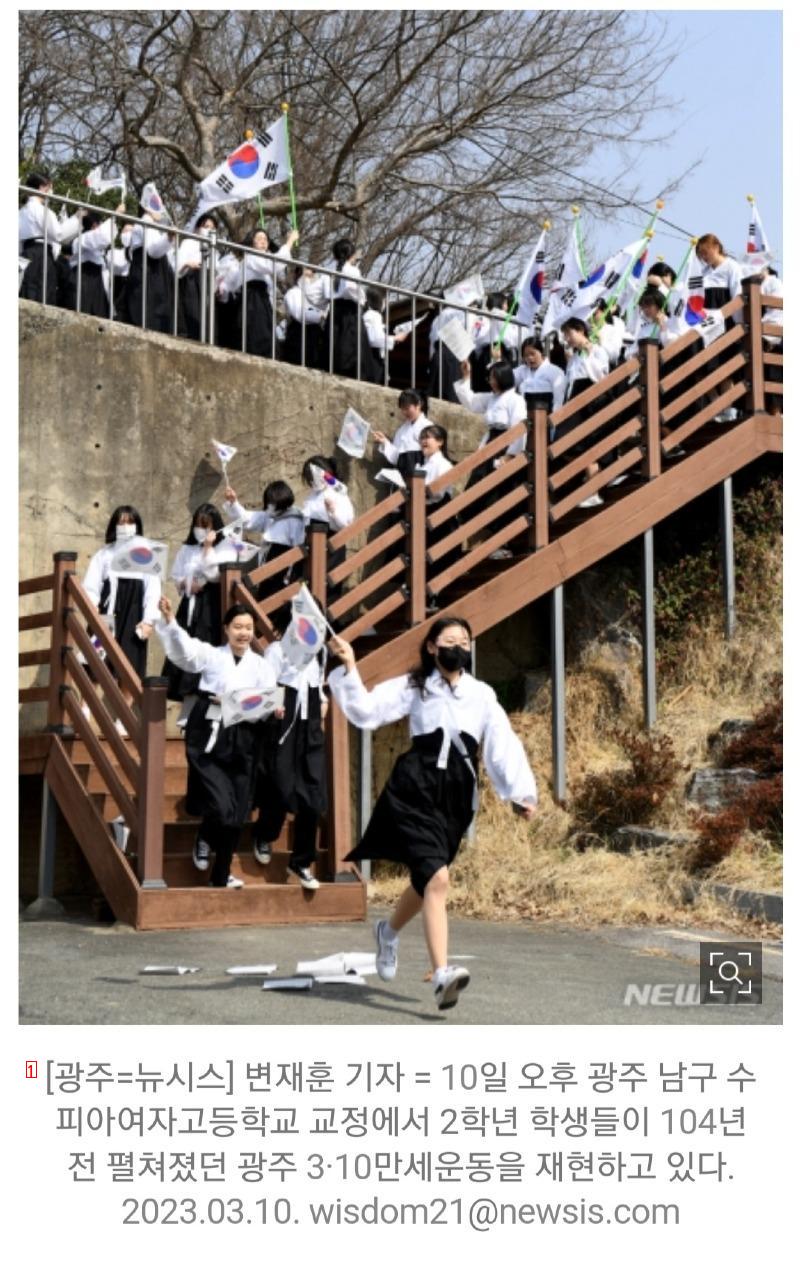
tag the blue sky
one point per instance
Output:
(728, 80)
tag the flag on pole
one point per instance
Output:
(690, 312)
(305, 636)
(354, 434)
(470, 290)
(139, 557)
(565, 283)
(152, 201)
(323, 481)
(603, 285)
(225, 453)
(757, 253)
(97, 184)
(531, 284)
(259, 161)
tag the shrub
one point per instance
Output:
(634, 794)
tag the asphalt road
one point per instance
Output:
(79, 972)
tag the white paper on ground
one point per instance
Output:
(456, 338)
(259, 969)
(340, 964)
(289, 982)
(167, 971)
(350, 979)
(390, 477)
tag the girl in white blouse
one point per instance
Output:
(539, 374)
(503, 408)
(221, 759)
(403, 449)
(260, 274)
(431, 796)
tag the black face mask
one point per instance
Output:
(453, 658)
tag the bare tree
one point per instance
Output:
(439, 139)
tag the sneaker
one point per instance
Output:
(620, 479)
(262, 851)
(501, 553)
(447, 985)
(121, 832)
(726, 415)
(591, 502)
(386, 957)
(307, 880)
(233, 882)
(120, 728)
(201, 854)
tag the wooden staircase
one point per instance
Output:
(658, 432)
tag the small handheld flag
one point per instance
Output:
(152, 202)
(305, 636)
(323, 481)
(97, 184)
(250, 704)
(354, 434)
(139, 557)
(225, 453)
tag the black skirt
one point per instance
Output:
(313, 354)
(442, 385)
(480, 472)
(93, 297)
(157, 309)
(206, 623)
(128, 612)
(433, 535)
(34, 284)
(423, 811)
(292, 767)
(221, 782)
(258, 334)
(348, 333)
(190, 303)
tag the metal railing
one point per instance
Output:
(215, 293)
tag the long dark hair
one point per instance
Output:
(344, 248)
(205, 511)
(328, 464)
(438, 433)
(115, 518)
(427, 662)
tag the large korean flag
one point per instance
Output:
(259, 162)
(139, 557)
(305, 636)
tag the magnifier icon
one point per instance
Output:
(729, 978)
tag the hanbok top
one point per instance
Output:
(300, 679)
(547, 378)
(501, 411)
(405, 439)
(219, 669)
(435, 466)
(340, 516)
(469, 706)
(34, 217)
(286, 528)
(721, 283)
(591, 364)
(261, 267)
(99, 570)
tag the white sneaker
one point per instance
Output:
(502, 553)
(386, 957)
(726, 415)
(307, 880)
(121, 832)
(120, 728)
(620, 479)
(262, 851)
(201, 854)
(447, 985)
(590, 502)
(233, 882)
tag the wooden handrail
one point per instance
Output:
(587, 398)
(365, 521)
(41, 620)
(150, 798)
(723, 372)
(513, 498)
(99, 757)
(562, 443)
(698, 420)
(603, 446)
(367, 553)
(595, 483)
(495, 448)
(275, 565)
(354, 596)
(721, 344)
(122, 749)
(371, 617)
(37, 584)
(28, 658)
(477, 555)
(128, 677)
(460, 502)
(103, 676)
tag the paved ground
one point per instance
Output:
(79, 972)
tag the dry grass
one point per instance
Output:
(514, 870)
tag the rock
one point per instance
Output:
(720, 739)
(716, 789)
(627, 838)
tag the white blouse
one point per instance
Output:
(435, 466)
(469, 706)
(219, 671)
(34, 215)
(301, 309)
(376, 332)
(501, 411)
(157, 243)
(261, 267)
(300, 679)
(193, 563)
(91, 247)
(591, 364)
(340, 516)
(547, 378)
(99, 570)
(287, 528)
(405, 440)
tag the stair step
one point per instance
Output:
(174, 752)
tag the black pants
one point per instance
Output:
(304, 832)
(223, 840)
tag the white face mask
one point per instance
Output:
(125, 531)
(200, 534)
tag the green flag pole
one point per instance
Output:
(683, 264)
(285, 108)
(648, 234)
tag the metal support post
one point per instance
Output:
(726, 555)
(558, 694)
(648, 631)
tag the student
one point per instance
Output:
(149, 304)
(502, 408)
(436, 462)
(193, 277)
(221, 759)
(380, 341)
(431, 796)
(306, 309)
(281, 526)
(259, 276)
(722, 281)
(37, 221)
(196, 576)
(326, 505)
(608, 329)
(88, 265)
(445, 368)
(587, 365)
(129, 604)
(292, 775)
(772, 286)
(539, 373)
(487, 338)
(352, 355)
(403, 450)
